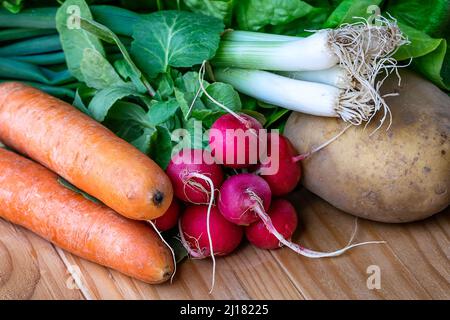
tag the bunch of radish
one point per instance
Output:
(220, 210)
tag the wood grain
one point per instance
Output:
(413, 264)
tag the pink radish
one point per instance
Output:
(284, 219)
(225, 235)
(203, 230)
(240, 195)
(187, 171)
(170, 218)
(244, 196)
(235, 142)
(280, 169)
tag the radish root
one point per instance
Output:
(170, 248)
(199, 254)
(258, 208)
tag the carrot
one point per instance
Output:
(82, 151)
(31, 196)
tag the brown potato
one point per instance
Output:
(398, 175)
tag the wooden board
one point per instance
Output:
(413, 264)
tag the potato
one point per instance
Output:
(398, 175)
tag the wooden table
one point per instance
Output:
(414, 264)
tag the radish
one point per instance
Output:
(240, 195)
(245, 197)
(189, 171)
(170, 218)
(284, 219)
(225, 235)
(235, 139)
(204, 232)
(280, 169)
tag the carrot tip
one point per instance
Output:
(158, 198)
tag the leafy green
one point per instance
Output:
(97, 72)
(161, 111)
(255, 14)
(105, 99)
(435, 65)
(431, 17)
(161, 146)
(75, 40)
(223, 93)
(129, 69)
(347, 10)
(174, 38)
(71, 187)
(221, 9)
(421, 43)
(13, 6)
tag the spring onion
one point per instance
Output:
(353, 106)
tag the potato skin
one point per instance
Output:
(399, 175)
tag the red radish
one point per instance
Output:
(280, 169)
(245, 197)
(235, 142)
(240, 195)
(187, 171)
(284, 219)
(169, 219)
(225, 235)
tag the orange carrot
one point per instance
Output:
(82, 151)
(31, 196)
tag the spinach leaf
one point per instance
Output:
(174, 38)
(221, 9)
(421, 43)
(161, 147)
(108, 36)
(74, 39)
(128, 111)
(435, 65)
(13, 6)
(165, 86)
(144, 140)
(97, 72)
(105, 99)
(223, 93)
(431, 17)
(347, 10)
(161, 111)
(255, 14)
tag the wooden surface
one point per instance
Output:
(413, 264)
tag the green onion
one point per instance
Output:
(33, 46)
(23, 33)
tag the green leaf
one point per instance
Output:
(431, 17)
(105, 34)
(74, 39)
(71, 187)
(13, 6)
(173, 239)
(421, 43)
(257, 115)
(347, 10)
(221, 9)
(97, 72)
(161, 111)
(125, 71)
(161, 147)
(104, 100)
(275, 116)
(223, 93)
(165, 87)
(128, 111)
(255, 14)
(144, 141)
(79, 104)
(435, 66)
(174, 38)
